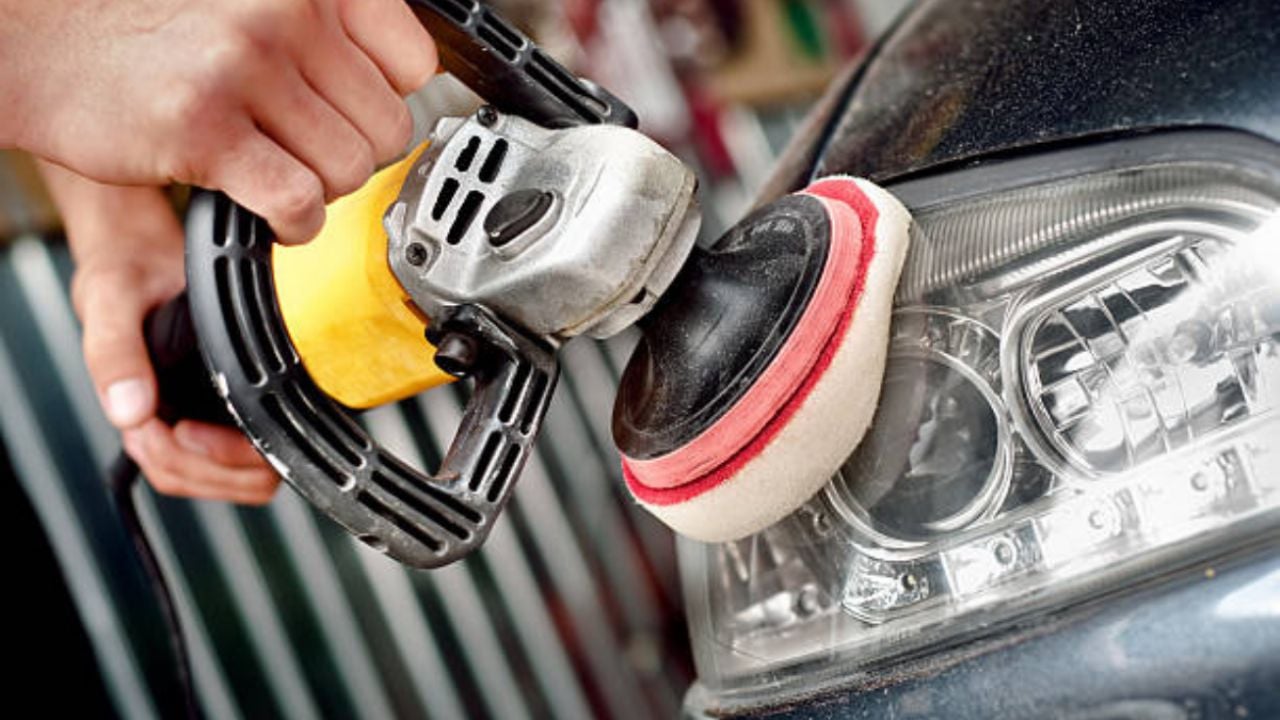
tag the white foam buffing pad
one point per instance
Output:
(788, 434)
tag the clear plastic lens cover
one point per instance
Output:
(1083, 387)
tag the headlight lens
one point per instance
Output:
(1083, 387)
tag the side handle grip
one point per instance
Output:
(185, 387)
(424, 520)
(510, 72)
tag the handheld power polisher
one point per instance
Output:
(543, 216)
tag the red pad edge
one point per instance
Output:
(785, 373)
(847, 192)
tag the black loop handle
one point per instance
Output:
(510, 72)
(421, 520)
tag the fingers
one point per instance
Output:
(348, 79)
(193, 459)
(226, 468)
(112, 308)
(313, 131)
(301, 109)
(262, 176)
(224, 445)
(393, 37)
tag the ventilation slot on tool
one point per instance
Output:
(396, 471)
(285, 420)
(257, 323)
(265, 297)
(447, 191)
(556, 79)
(466, 213)
(500, 36)
(505, 471)
(420, 505)
(493, 163)
(341, 423)
(227, 300)
(246, 228)
(484, 460)
(220, 225)
(322, 426)
(382, 510)
(518, 382)
(467, 156)
(536, 398)
(459, 11)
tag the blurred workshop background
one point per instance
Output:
(571, 610)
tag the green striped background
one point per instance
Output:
(570, 610)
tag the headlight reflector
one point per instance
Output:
(1083, 387)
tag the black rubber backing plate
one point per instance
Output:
(719, 326)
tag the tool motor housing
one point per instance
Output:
(561, 231)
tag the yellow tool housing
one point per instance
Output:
(358, 333)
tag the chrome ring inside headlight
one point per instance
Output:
(1083, 388)
(937, 456)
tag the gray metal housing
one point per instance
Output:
(621, 220)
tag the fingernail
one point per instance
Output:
(128, 401)
(190, 440)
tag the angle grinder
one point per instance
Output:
(543, 216)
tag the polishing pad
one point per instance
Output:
(758, 373)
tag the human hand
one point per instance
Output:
(127, 244)
(282, 104)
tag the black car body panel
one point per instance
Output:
(1204, 647)
(960, 81)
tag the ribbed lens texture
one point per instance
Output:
(1083, 376)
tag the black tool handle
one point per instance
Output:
(422, 520)
(510, 72)
(185, 387)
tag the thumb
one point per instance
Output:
(112, 309)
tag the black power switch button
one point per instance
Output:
(515, 213)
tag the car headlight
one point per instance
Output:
(1083, 389)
